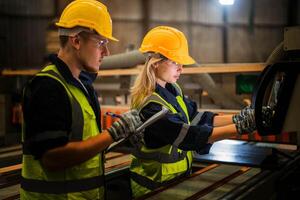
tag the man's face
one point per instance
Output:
(92, 50)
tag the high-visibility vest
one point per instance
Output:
(83, 181)
(152, 168)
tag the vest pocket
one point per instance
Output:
(90, 124)
(88, 112)
(174, 168)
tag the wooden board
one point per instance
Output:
(205, 68)
(210, 184)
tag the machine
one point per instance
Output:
(279, 88)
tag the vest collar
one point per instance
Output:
(85, 77)
(169, 94)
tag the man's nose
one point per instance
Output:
(105, 51)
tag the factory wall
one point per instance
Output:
(246, 32)
(253, 27)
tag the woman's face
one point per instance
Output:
(167, 71)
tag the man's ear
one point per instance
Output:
(75, 42)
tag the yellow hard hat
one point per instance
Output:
(89, 14)
(168, 42)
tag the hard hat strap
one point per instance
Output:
(73, 31)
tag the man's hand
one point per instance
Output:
(127, 125)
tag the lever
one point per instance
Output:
(147, 123)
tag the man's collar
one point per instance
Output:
(62, 68)
(86, 77)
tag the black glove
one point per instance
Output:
(137, 140)
(245, 121)
(127, 125)
(267, 116)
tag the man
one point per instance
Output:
(62, 147)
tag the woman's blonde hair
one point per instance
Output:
(145, 82)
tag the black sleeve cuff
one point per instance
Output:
(207, 118)
(202, 135)
(45, 141)
(38, 149)
(205, 149)
(197, 138)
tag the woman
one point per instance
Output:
(166, 153)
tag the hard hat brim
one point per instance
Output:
(183, 60)
(187, 60)
(113, 39)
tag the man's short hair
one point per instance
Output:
(65, 33)
(73, 31)
(63, 40)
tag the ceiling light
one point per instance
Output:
(226, 2)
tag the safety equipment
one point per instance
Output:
(127, 125)
(245, 121)
(153, 168)
(84, 181)
(168, 42)
(89, 14)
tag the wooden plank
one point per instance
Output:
(229, 186)
(204, 68)
(28, 72)
(171, 185)
(10, 168)
(224, 68)
(11, 154)
(113, 160)
(10, 193)
(118, 160)
(119, 72)
(211, 189)
(195, 184)
(10, 148)
(112, 155)
(124, 108)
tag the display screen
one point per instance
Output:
(245, 84)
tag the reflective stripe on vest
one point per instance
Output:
(158, 99)
(197, 118)
(59, 187)
(149, 184)
(86, 177)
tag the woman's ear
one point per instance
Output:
(155, 65)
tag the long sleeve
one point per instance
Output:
(47, 116)
(166, 130)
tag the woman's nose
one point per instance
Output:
(180, 67)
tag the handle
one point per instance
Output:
(147, 123)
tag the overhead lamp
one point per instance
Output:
(226, 2)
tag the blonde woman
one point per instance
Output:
(166, 154)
